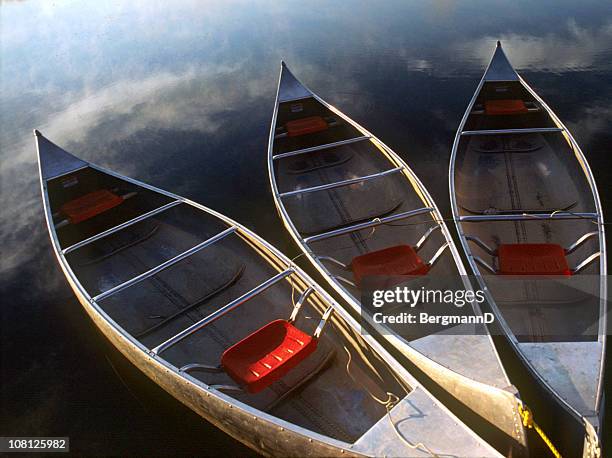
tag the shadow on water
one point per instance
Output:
(180, 95)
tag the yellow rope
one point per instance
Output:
(528, 422)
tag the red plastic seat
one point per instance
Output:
(305, 126)
(505, 107)
(90, 205)
(266, 355)
(532, 259)
(395, 260)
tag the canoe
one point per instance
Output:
(345, 197)
(540, 216)
(230, 327)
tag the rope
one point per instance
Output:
(529, 422)
(391, 401)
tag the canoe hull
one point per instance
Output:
(590, 423)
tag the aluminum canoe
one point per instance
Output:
(342, 193)
(518, 177)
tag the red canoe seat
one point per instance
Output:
(395, 260)
(505, 107)
(266, 355)
(532, 259)
(305, 126)
(90, 205)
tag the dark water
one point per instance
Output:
(180, 95)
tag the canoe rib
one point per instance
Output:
(222, 311)
(121, 226)
(164, 265)
(339, 184)
(192, 306)
(321, 147)
(373, 223)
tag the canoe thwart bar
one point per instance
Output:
(338, 184)
(574, 246)
(227, 388)
(333, 261)
(221, 312)
(528, 217)
(121, 226)
(536, 130)
(300, 302)
(426, 236)
(368, 224)
(437, 254)
(586, 263)
(481, 244)
(481, 262)
(321, 147)
(165, 265)
(323, 322)
(193, 367)
(340, 278)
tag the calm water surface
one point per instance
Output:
(180, 95)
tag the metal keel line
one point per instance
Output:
(321, 147)
(339, 184)
(119, 227)
(165, 265)
(366, 225)
(222, 311)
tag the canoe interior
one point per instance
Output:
(326, 210)
(319, 394)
